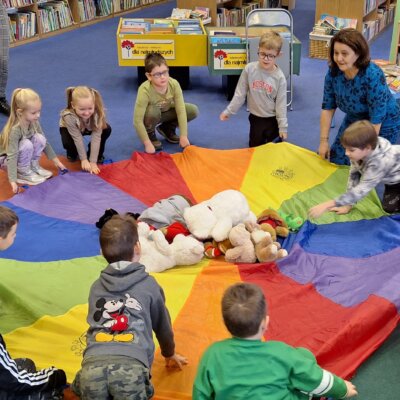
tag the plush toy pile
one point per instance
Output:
(172, 231)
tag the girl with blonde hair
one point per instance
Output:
(84, 115)
(22, 141)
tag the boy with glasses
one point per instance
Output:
(264, 84)
(160, 104)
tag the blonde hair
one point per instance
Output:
(84, 92)
(20, 100)
(271, 40)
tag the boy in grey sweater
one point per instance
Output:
(372, 160)
(125, 305)
(264, 84)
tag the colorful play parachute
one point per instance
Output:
(335, 294)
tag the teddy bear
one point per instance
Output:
(214, 218)
(157, 254)
(266, 249)
(270, 221)
(243, 250)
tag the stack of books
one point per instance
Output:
(225, 37)
(134, 26)
(330, 25)
(189, 27)
(161, 26)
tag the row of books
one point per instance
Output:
(87, 10)
(225, 37)
(55, 15)
(384, 17)
(142, 26)
(235, 16)
(121, 5)
(16, 3)
(202, 13)
(22, 25)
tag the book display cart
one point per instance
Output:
(36, 19)
(372, 15)
(181, 50)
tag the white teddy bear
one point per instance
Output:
(157, 254)
(214, 218)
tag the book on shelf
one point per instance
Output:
(225, 39)
(222, 33)
(395, 84)
(180, 13)
(337, 22)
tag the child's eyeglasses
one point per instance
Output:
(266, 56)
(160, 74)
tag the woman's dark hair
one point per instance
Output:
(356, 41)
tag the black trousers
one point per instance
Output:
(69, 144)
(262, 130)
(391, 198)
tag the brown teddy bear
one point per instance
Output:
(265, 248)
(243, 250)
(270, 221)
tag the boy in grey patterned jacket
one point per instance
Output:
(372, 160)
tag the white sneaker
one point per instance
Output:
(29, 177)
(39, 170)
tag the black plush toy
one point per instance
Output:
(109, 213)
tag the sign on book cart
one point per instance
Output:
(137, 49)
(229, 59)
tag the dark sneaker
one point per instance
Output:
(100, 160)
(4, 106)
(168, 133)
(153, 139)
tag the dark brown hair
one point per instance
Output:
(153, 60)
(8, 218)
(356, 41)
(118, 237)
(360, 134)
(243, 309)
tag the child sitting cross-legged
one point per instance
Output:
(245, 367)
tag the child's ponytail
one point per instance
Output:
(19, 99)
(68, 92)
(100, 110)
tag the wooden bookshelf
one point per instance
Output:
(76, 8)
(370, 19)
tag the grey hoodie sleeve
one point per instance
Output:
(162, 326)
(281, 106)
(359, 186)
(239, 97)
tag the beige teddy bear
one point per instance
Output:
(243, 250)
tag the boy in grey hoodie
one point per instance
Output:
(125, 305)
(372, 160)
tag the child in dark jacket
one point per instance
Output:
(19, 379)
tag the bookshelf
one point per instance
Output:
(234, 12)
(32, 20)
(395, 45)
(372, 15)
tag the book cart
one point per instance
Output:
(180, 50)
(185, 51)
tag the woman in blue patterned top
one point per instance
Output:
(358, 87)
